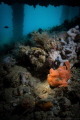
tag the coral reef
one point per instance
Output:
(24, 77)
(42, 40)
(23, 49)
(25, 91)
(37, 56)
(51, 50)
(14, 78)
(67, 50)
(8, 62)
(73, 32)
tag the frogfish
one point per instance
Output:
(60, 76)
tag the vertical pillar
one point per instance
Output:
(18, 19)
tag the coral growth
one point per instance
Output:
(24, 77)
(42, 40)
(23, 50)
(60, 76)
(73, 32)
(67, 49)
(37, 56)
(8, 62)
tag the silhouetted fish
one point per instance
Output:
(6, 27)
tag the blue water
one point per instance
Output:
(34, 18)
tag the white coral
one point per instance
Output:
(53, 54)
(73, 32)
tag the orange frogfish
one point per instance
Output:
(60, 76)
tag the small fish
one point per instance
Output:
(6, 27)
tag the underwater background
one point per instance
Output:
(33, 19)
